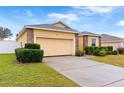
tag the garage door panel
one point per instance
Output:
(54, 47)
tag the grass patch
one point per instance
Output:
(117, 60)
(17, 74)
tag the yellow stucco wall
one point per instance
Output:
(90, 40)
(22, 39)
(53, 34)
(80, 42)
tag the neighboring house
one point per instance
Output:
(109, 40)
(88, 39)
(55, 39)
(8, 46)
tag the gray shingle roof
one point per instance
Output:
(50, 26)
(107, 38)
(88, 33)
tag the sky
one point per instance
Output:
(100, 20)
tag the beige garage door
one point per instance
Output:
(54, 47)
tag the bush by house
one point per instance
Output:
(31, 53)
(100, 51)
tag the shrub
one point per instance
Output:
(115, 52)
(29, 55)
(121, 50)
(110, 48)
(90, 50)
(109, 52)
(106, 48)
(102, 53)
(99, 52)
(17, 50)
(103, 48)
(32, 46)
(80, 53)
(96, 52)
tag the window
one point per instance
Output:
(93, 42)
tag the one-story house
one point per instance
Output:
(55, 39)
(109, 40)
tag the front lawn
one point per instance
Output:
(13, 73)
(117, 60)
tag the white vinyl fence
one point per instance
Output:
(7, 46)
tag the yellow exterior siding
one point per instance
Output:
(90, 40)
(23, 39)
(53, 34)
(80, 42)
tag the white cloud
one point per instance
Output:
(100, 9)
(95, 9)
(68, 17)
(120, 23)
(29, 13)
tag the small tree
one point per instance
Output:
(5, 33)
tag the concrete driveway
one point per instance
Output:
(87, 73)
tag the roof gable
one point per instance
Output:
(60, 24)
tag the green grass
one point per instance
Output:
(117, 60)
(13, 73)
